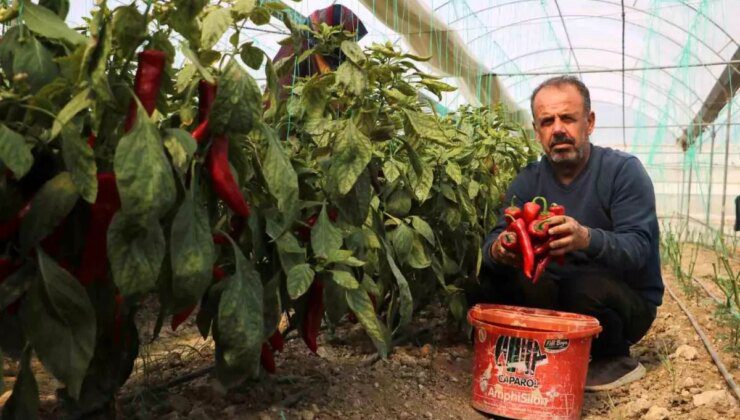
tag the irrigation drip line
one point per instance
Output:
(715, 357)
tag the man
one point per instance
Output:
(609, 236)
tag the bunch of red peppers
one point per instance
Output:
(527, 235)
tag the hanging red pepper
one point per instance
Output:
(267, 359)
(91, 140)
(201, 132)
(206, 97)
(525, 246)
(276, 341)
(146, 84)
(314, 315)
(223, 181)
(94, 262)
(220, 239)
(218, 273)
(182, 316)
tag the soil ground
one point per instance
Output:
(428, 377)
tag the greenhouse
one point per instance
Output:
(369, 209)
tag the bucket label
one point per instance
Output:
(556, 345)
(516, 355)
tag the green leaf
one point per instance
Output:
(190, 55)
(24, 401)
(421, 184)
(260, 16)
(143, 173)
(402, 239)
(16, 284)
(129, 28)
(354, 207)
(352, 152)
(244, 7)
(281, 178)
(418, 258)
(60, 7)
(238, 101)
(135, 253)
(14, 152)
(251, 55)
(325, 237)
(353, 51)
(49, 207)
(404, 292)
(191, 251)
(79, 158)
(9, 45)
(391, 171)
(49, 25)
(426, 126)
(423, 228)
(343, 256)
(473, 189)
(452, 170)
(181, 146)
(273, 312)
(370, 286)
(398, 204)
(240, 318)
(36, 62)
(60, 322)
(361, 305)
(215, 25)
(351, 77)
(344, 279)
(290, 251)
(300, 278)
(80, 102)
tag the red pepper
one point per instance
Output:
(532, 209)
(146, 84)
(525, 246)
(276, 341)
(94, 262)
(508, 241)
(182, 316)
(513, 211)
(91, 139)
(557, 210)
(541, 249)
(538, 229)
(9, 228)
(267, 359)
(218, 274)
(206, 97)
(201, 132)
(314, 314)
(220, 239)
(223, 181)
(541, 265)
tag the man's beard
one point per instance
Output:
(566, 159)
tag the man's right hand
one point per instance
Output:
(502, 255)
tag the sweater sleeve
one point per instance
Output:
(632, 210)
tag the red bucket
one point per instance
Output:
(530, 363)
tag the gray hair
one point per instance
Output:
(558, 81)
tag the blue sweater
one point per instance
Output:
(614, 198)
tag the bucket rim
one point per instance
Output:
(546, 320)
(518, 332)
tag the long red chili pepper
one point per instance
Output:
(146, 84)
(558, 210)
(206, 97)
(94, 262)
(525, 246)
(314, 314)
(182, 316)
(223, 181)
(267, 359)
(541, 265)
(276, 341)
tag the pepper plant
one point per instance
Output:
(124, 175)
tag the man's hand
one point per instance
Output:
(571, 235)
(502, 255)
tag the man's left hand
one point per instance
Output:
(571, 235)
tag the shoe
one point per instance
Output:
(607, 374)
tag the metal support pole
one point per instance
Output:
(727, 160)
(711, 173)
(688, 199)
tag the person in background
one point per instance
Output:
(609, 235)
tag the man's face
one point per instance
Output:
(562, 125)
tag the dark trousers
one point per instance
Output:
(624, 315)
